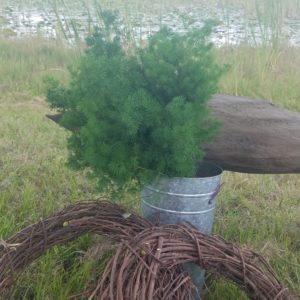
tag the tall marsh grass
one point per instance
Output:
(263, 73)
(263, 20)
(24, 63)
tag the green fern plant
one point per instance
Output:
(140, 113)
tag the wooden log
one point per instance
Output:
(256, 137)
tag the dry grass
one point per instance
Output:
(263, 73)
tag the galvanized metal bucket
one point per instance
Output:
(193, 200)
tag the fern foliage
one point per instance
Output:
(142, 112)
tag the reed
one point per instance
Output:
(24, 63)
(263, 72)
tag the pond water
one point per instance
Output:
(234, 27)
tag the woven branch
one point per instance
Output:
(147, 264)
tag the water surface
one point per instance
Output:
(235, 26)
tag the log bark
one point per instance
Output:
(256, 136)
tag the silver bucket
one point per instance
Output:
(177, 200)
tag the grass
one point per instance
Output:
(262, 212)
(263, 73)
(35, 182)
(258, 211)
(24, 63)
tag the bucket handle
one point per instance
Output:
(214, 194)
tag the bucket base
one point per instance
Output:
(197, 275)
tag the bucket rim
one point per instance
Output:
(219, 170)
(164, 176)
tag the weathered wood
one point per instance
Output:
(256, 137)
(55, 118)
